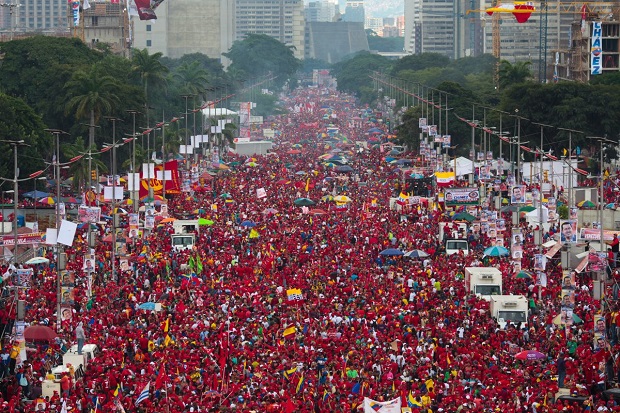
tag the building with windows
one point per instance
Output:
(321, 11)
(106, 23)
(354, 12)
(280, 19)
(29, 16)
(333, 41)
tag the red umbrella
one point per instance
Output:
(530, 355)
(39, 333)
(317, 211)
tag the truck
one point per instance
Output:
(483, 281)
(182, 242)
(460, 232)
(253, 148)
(79, 362)
(454, 246)
(513, 309)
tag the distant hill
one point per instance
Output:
(384, 8)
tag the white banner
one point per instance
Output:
(51, 236)
(110, 192)
(186, 149)
(133, 181)
(373, 406)
(261, 193)
(67, 233)
(167, 176)
(148, 170)
(596, 58)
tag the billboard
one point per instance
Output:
(461, 196)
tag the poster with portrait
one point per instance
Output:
(149, 218)
(500, 225)
(572, 213)
(66, 296)
(516, 252)
(66, 313)
(517, 194)
(499, 241)
(163, 210)
(24, 277)
(541, 279)
(600, 327)
(89, 264)
(124, 264)
(89, 214)
(516, 266)
(67, 278)
(568, 298)
(600, 343)
(484, 227)
(540, 262)
(517, 238)
(568, 231)
(422, 124)
(566, 317)
(61, 209)
(597, 261)
(568, 280)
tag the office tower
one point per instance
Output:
(321, 11)
(437, 26)
(187, 26)
(332, 41)
(354, 12)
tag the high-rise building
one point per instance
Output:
(106, 23)
(354, 11)
(321, 11)
(187, 26)
(30, 16)
(280, 19)
(333, 41)
(438, 26)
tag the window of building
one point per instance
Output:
(148, 43)
(148, 27)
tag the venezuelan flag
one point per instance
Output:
(290, 330)
(300, 384)
(411, 401)
(288, 373)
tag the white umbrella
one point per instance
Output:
(38, 260)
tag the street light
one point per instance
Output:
(60, 262)
(133, 159)
(15, 144)
(186, 97)
(113, 145)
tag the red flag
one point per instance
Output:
(161, 377)
(289, 406)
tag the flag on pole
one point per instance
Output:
(159, 381)
(96, 405)
(373, 406)
(290, 330)
(294, 294)
(300, 384)
(86, 5)
(144, 394)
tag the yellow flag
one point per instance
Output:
(307, 184)
(253, 233)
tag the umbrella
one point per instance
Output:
(463, 216)
(304, 202)
(586, 205)
(391, 252)
(36, 194)
(204, 221)
(270, 211)
(524, 275)
(48, 200)
(610, 206)
(509, 208)
(374, 130)
(166, 220)
(530, 355)
(225, 195)
(342, 198)
(527, 208)
(248, 224)
(317, 212)
(147, 198)
(71, 200)
(416, 254)
(342, 168)
(37, 260)
(495, 251)
(150, 306)
(416, 176)
(39, 333)
(199, 211)
(294, 152)
(120, 211)
(300, 173)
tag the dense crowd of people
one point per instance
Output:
(231, 337)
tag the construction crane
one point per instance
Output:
(11, 6)
(522, 10)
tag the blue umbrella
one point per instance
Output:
(36, 194)
(391, 252)
(344, 168)
(248, 224)
(150, 306)
(496, 251)
(416, 254)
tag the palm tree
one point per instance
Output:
(79, 169)
(150, 69)
(513, 74)
(92, 94)
(192, 78)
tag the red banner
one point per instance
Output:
(23, 239)
(173, 185)
(146, 9)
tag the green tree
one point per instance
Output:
(150, 70)
(353, 75)
(92, 94)
(513, 74)
(260, 54)
(18, 121)
(79, 169)
(191, 78)
(422, 61)
(384, 44)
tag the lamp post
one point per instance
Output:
(60, 262)
(113, 145)
(474, 124)
(186, 144)
(15, 144)
(41, 178)
(133, 160)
